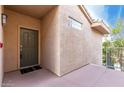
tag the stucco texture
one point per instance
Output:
(62, 48)
(1, 49)
(11, 37)
(77, 47)
(50, 39)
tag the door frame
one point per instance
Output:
(19, 31)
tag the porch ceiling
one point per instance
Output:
(36, 11)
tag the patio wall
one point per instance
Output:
(1, 50)
(11, 36)
(50, 49)
(63, 48)
(78, 47)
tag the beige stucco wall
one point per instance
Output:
(49, 39)
(62, 48)
(11, 36)
(50, 50)
(77, 47)
(1, 49)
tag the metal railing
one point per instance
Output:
(115, 58)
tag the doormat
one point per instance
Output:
(30, 69)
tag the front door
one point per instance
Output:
(28, 47)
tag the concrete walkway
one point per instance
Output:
(87, 76)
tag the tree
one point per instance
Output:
(116, 41)
(106, 44)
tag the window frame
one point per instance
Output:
(76, 21)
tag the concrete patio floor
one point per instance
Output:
(87, 76)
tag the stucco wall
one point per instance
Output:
(11, 34)
(63, 48)
(77, 47)
(49, 39)
(96, 48)
(50, 50)
(1, 49)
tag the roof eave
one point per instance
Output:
(101, 27)
(87, 15)
(98, 26)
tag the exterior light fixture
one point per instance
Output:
(4, 19)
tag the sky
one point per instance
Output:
(108, 13)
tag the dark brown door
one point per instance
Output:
(28, 47)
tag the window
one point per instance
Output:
(74, 23)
